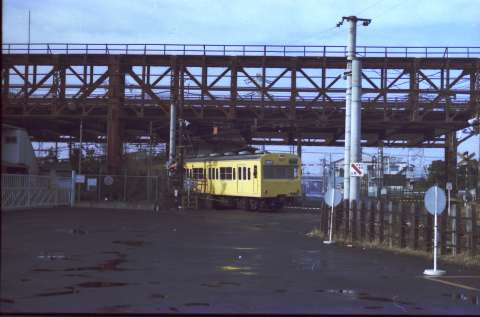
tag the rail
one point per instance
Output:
(241, 50)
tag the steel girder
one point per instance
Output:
(280, 100)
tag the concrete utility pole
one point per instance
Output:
(173, 132)
(353, 115)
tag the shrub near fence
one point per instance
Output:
(398, 224)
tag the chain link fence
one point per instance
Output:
(125, 188)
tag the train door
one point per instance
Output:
(255, 179)
(242, 183)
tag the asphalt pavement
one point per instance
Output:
(217, 261)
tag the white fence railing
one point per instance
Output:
(28, 191)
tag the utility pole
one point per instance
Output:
(352, 153)
(80, 158)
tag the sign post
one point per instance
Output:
(449, 189)
(332, 198)
(435, 202)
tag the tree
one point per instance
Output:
(436, 173)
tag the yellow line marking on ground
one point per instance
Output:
(436, 279)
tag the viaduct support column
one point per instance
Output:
(299, 145)
(114, 129)
(450, 176)
(173, 132)
(451, 159)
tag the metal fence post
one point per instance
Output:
(453, 218)
(157, 188)
(72, 190)
(473, 218)
(100, 188)
(468, 227)
(29, 189)
(125, 186)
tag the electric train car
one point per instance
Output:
(246, 180)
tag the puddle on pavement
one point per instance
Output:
(78, 231)
(132, 243)
(117, 253)
(363, 296)
(100, 284)
(76, 275)
(114, 308)
(44, 270)
(74, 231)
(464, 298)
(197, 304)
(67, 291)
(52, 257)
(7, 301)
(219, 284)
(244, 270)
(108, 265)
(162, 296)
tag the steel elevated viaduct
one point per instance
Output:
(412, 96)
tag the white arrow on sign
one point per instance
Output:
(356, 169)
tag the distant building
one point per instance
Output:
(312, 185)
(17, 151)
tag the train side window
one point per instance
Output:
(244, 173)
(240, 173)
(249, 173)
(233, 175)
(216, 173)
(255, 171)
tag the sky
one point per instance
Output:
(283, 22)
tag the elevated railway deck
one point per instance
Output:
(412, 96)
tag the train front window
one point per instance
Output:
(280, 172)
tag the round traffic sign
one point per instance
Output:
(435, 200)
(108, 180)
(333, 197)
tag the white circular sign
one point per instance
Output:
(435, 200)
(108, 180)
(189, 184)
(332, 197)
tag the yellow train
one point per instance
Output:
(252, 181)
